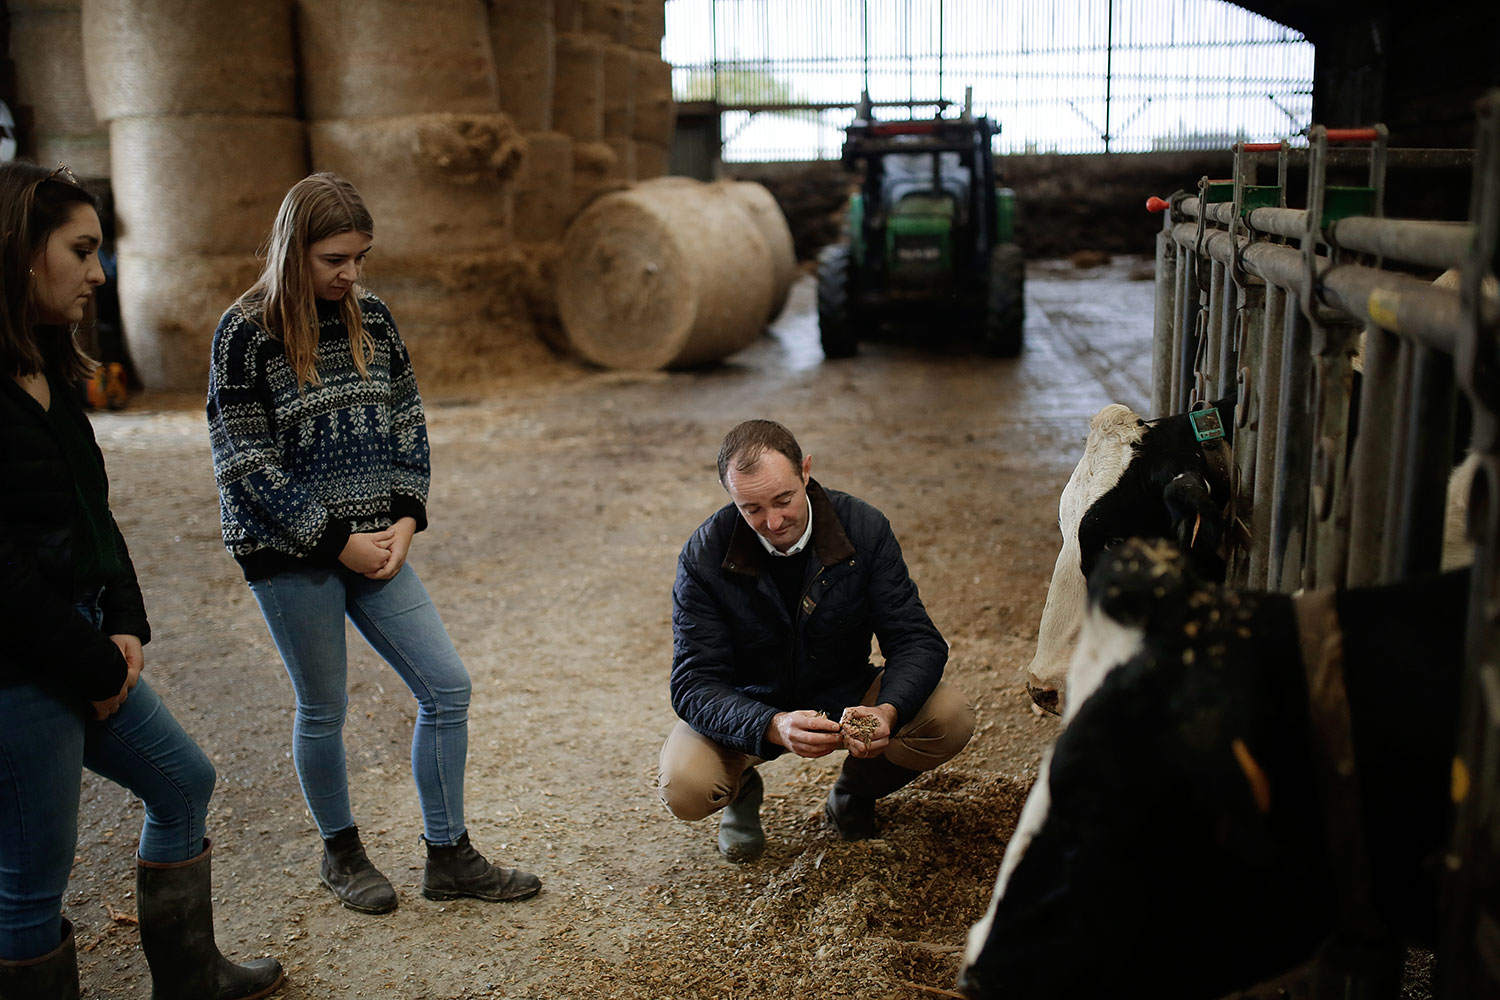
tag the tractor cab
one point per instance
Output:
(927, 234)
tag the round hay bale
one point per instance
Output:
(652, 159)
(463, 317)
(435, 183)
(86, 155)
(183, 57)
(544, 188)
(170, 306)
(624, 150)
(619, 92)
(609, 19)
(768, 217)
(567, 16)
(198, 184)
(578, 94)
(369, 58)
(655, 113)
(27, 6)
(525, 61)
(47, 49)
(663, 276)
(648, 23)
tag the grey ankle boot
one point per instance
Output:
(740, 835)
(175, 905)
(53, 976)
(851, 802)
(347, 870)
(458, 871)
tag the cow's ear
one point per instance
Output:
(1197, 523)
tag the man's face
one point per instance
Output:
(772, 497)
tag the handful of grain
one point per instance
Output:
(858, 726)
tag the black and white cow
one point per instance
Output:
(1173, 844)
(1136, 479)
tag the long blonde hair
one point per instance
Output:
(282, 299)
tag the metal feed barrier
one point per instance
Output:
(1339, 481)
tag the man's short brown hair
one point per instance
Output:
(748, 441)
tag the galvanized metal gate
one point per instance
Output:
(1278, 305)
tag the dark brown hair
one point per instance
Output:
(282, 300)
(747, 442)
(34, 203)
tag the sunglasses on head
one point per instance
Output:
(62, 173)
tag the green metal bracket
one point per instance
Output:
(1259, 196)
(1343, 202)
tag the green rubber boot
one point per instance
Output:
(741, 838)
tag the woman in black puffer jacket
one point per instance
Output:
(71, 695)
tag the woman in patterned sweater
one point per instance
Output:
(320, 453)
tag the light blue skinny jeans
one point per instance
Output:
(305, 611)
(47, 738)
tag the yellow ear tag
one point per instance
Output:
(1460, 787)
(1259, 786)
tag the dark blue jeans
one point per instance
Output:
(305, 611)
(46, 739)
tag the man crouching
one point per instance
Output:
(777, 596)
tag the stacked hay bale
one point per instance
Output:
(578, 103)
(404, 100)
(523, 40)
(46, 44)
(654, 115)
(204, 142)
(669, 273)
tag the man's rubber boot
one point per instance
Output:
(851, 802)
(740, 835)
(347, 870)
(53, 976)
(174, 902)
(458, 872)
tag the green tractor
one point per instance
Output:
(930, 237)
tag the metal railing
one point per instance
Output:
(1079, 76)
(1274, 304)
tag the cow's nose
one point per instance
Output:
(966, 984)
(1044, 695)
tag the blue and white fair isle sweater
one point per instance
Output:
(298, 471)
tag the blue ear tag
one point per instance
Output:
(1206, 425)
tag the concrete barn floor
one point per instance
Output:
(558, 507)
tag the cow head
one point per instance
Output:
(1135, 480)
(1171, 845)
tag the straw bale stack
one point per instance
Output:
(567, 15)
(578, 95)
(625, 169)
(523, 40)
(369, 58)
(595, 172)
(435, 183)
(655, 114)
(768, 217)
(619, 91)
(204, 142)
(464, 317)
(185, 57)
(170, 306)
(668, 274)
(544, 188)
(199, 184)
(648, 23)
(610, 19)
(46, 46)
(652, 159)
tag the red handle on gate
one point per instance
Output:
(1352, 135)
(1261, 147)
(1155, 204)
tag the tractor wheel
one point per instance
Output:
(836, 320)
(1005, 303)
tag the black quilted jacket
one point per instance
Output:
(46, 637)
(737, 656)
